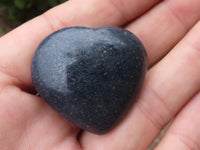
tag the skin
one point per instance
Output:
(170, 31)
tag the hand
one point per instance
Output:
(170, 31)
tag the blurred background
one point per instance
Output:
(15, 12)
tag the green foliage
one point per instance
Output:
(1, 30)
(20, 11)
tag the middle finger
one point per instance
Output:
(163, 26)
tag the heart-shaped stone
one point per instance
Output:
(90, 76)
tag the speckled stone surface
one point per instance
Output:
(90, 76)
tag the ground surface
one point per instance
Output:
(5, 24)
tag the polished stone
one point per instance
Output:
(90, 76)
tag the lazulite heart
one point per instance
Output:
(90, 76)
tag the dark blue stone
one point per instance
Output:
(90, 76)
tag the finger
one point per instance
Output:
(168, 86)
(17, 47)
(184, 133)
(162, 27)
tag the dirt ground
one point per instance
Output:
(5, 25)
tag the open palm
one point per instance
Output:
(170, 31)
